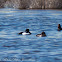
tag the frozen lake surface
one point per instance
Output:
(29, 48)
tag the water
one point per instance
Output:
(29, 48)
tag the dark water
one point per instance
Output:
(29, 48)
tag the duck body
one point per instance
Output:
(25, 33)
(41, 35)
(20, 33)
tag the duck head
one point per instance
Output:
(27, 30)
(43, 34)
(59, 26)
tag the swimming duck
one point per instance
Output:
(59, 27)
(41, 35)
(26, 32)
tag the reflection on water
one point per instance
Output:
(29, 48)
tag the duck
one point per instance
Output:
(26, 32)
(41, 35)
(59, 27)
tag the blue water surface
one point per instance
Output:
(29, 48)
